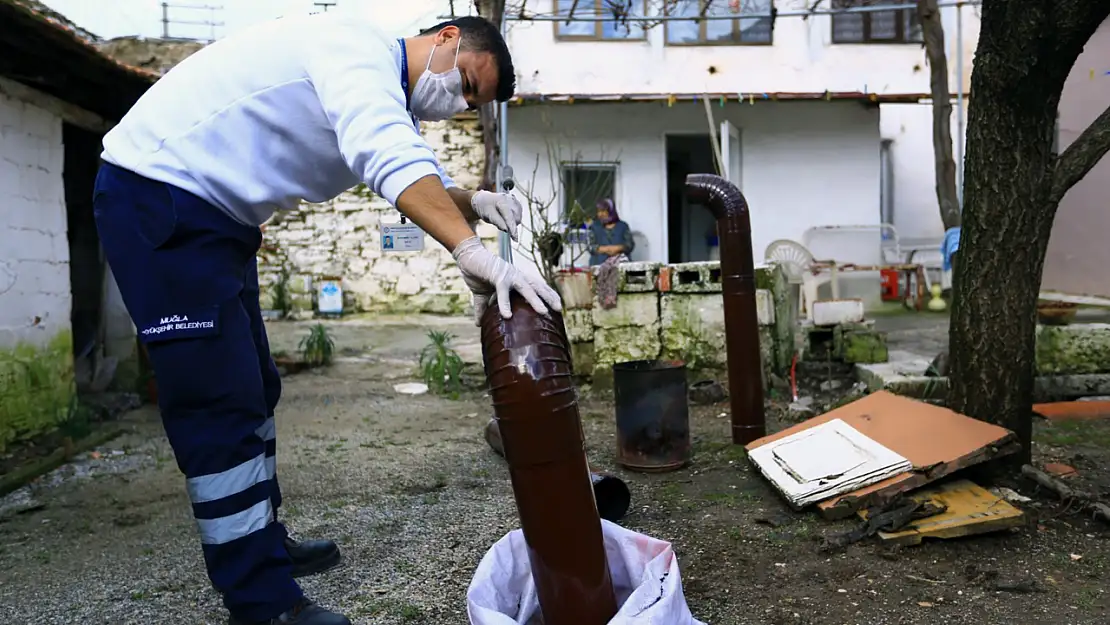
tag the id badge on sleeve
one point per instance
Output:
(400, 235)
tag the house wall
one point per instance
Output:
(910, 126)
(341, 239)
(801, 59)
(803, 164)
(36, 352)
(1077, 255)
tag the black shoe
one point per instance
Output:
(312, 556)
(304, 613)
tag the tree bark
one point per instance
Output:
(492, 147)
(1012, 187)
(492, 10)
(933, 30)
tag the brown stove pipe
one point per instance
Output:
(610, 492)
(528, 368)
(745, 367)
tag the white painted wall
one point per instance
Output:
(801, 59)
(34, 251)
(804, 163)
(910, 126)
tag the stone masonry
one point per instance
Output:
(340, 239)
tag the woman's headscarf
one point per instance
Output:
(608, 205)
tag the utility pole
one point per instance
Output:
(324, 5)
(210, 23)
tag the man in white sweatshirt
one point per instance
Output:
(301, 108)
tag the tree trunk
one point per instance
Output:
(492, 147)
(492, 10)
(933, 31)
(1011, 191)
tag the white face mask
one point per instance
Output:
(439, 96)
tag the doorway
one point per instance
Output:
(691, 228)
(86, 265)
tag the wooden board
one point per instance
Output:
(937, 441)
(971, 510)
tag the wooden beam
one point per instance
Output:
(68, 112)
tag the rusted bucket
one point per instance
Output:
(653, 415)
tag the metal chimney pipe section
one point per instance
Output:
(610, 492)
(528, 367)
(745, 367)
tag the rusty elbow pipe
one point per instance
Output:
(745, 367)
(528, 367)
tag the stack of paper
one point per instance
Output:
(826, 460)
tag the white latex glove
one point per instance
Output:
(500, 209)
(486, 274)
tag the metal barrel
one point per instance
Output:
(653, 415)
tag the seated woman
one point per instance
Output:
(609, 236)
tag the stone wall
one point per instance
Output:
(340, 240)
(673, 312)
(36, 352)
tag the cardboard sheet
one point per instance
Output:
(935, 440)
(971, 510)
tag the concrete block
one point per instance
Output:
(860, 346)
(579, 324)
(624, 344)
(837, 311)
(638, 277)
(1073, 349)
(576, 289)
(583, 358)
(904, 378)
(632, 309)
(772, 278)
(907, 377)
(765, 307)
(692, 329)
(699, 277)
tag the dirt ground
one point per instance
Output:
(415, 498)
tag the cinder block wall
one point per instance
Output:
(674, 312)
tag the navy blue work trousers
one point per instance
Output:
(189, 278)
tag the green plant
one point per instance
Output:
(318, 347)
(283, 301)
(440, 365)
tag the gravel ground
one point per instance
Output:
(415, 498)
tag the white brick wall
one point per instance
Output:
(34, 251)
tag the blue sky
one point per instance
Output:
(116, 18)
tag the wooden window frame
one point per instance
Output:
(900, 38)
(598, 25)
(703, 26)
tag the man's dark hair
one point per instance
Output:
(481, 35)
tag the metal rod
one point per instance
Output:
(960, 106)
(504, 243)
(712, 18)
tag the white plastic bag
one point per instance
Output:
(645, 578)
